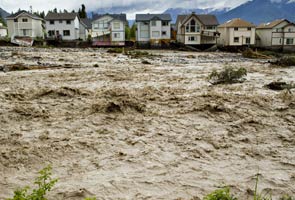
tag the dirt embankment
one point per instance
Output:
(115, 128)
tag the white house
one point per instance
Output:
(24, 24)
(236, 32)
(65, 26)
(3, 31)
(108, 29)
(279, 33)
(153, 28)
(196, 29)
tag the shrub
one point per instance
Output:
(249, 53)
(221, 194)
(44, 182)
(228, 76)
(285, 61)
(115, 50)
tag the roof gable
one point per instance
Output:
(23, 12)
(207, 20)
(273, 24)
(239, 23)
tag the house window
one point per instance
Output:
(116, 35)
(68, 21)
(144, 30)
(25, 20)
(164, 33)
(210, 27)
(51, 22)
(280, 40)
(25, 32)
(15, 20)
(154, 23)
(192, 38)
(165, 23)
(66, 32)
(249, 28)
(50, 33)
(236, 28)
(117, 25)
(155, 34)
(236, 39)
(290, 41)
(192, 27)
(60, 21)
(248, 40)
(290, 30)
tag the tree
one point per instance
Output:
(127, 33)
(55, 10)
(82, 12)
(133, 32)
(2, 21)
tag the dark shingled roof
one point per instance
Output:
(13, 16)
(61, 16)
(121, 17)
(87, 22)
(207, 20)
(149, 17)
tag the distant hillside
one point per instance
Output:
(174, 12)
(259, 11)
(3, 13)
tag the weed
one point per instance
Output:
(228, 76)
(220, 194)
(44, 182)
(260, 196)
(115, 50)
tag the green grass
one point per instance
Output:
(220, 194)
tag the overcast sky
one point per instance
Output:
(127, 6)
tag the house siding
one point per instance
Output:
(74, 28)
(31, 28)
(228, 35)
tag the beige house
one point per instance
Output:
(236, 32)
(3, 31)
(196, 29)
(24, 24)
(279, 33)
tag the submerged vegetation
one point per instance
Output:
(286, 61)
(228, 76)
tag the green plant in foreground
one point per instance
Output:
(220, 194)
(260, 196)
(228, 76)
(44, 182)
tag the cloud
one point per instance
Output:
(127, 6)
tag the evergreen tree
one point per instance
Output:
(82, 12)
(55, 10)
(133, 32)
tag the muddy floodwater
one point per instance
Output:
(115, 128)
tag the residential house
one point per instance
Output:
(196, 29)
(236, 32)
(3, 31)
(65, 26)
(278, 33)
(24, 24)
(153, 28)
(109, 29)
(88, 24)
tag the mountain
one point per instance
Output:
(174, 12)
(3, 13)
(261, 11)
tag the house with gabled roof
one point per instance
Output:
(236, 32)
(153, 28)
(65, 26)
(3, 31)
(194, 29)
(24, 24)
(108, 29)
(278, 33)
